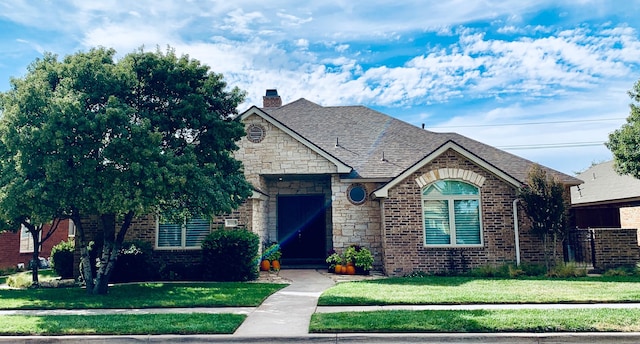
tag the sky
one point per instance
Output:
(545, 80)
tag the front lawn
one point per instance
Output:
(121, 324)
(525, 320)
(142, 295)
(469, 290)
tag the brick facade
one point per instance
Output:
(10, 255)
(403, 237)
(616, 247)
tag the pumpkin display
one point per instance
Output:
(265, 265)
(351, 269)
(275, 265)
(338, 269)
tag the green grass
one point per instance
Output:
(469, 290)
(121, 324)
(142, 295)
(567, 320)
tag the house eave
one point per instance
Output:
(340, 166)
(383, 192)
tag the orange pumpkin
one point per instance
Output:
(338, 269)
(265, 265)
(344, 269)
(275, 265)
(351, 270)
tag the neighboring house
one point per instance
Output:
(605, 212)
(606, 199)
(328, 177)
(16, 249)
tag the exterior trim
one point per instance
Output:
(383, 192)
(341, 167)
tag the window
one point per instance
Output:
(357, 194)
(451, 214)
(186, 235)
(26, 241)
(72, 229)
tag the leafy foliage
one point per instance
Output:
(624, 143)
(545, 205)
(231, 255)
(62, 258)
(134, 263)
(90, 135)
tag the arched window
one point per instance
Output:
(451, 214)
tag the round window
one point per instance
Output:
(255, 133)
(357, 193)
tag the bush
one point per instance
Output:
(230, 255)
(62, 259)
(567, 270)
(20, 280)
(134, 263)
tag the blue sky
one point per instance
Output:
(546, 80)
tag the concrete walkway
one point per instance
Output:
(289, 310)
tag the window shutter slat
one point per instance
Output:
(436, 222)
(197, 230)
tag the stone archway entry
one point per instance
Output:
(302, 229)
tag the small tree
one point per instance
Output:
(624, 143)
(545, 205)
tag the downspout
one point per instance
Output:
(516, 230)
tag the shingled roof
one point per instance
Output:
(378, 146)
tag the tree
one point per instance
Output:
(150, 133)
(545, 205)
(624, 143)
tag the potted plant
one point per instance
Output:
(363, 261)
(334, 260)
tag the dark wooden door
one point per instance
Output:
(302, 228)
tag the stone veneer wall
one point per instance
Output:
(403, 229)
(615, 247)
(356, 224)
(277, 154)
(630, 218)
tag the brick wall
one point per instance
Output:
(617, 247)
(404, 251)
(10, 255)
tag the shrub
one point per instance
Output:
(62, 259)
(230, 255)
(20, 280)
(567, 270)
(134, 263)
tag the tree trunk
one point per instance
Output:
(85, 258)
(110, 250)
(35, 281)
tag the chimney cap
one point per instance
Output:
(272, 92)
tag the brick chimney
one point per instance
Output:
(271, 99)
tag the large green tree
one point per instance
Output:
(624, 143)
(545, 205)
(149, 133)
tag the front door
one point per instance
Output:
(302, 229)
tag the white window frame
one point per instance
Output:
(450, 199)
(72, 229)
(183, 238)
(26, 240)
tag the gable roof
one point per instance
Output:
(341, 167)
(378, 146)
(603, 185)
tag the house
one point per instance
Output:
(326, 177)
(605, 211)
(17, 248)
(606, 199)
